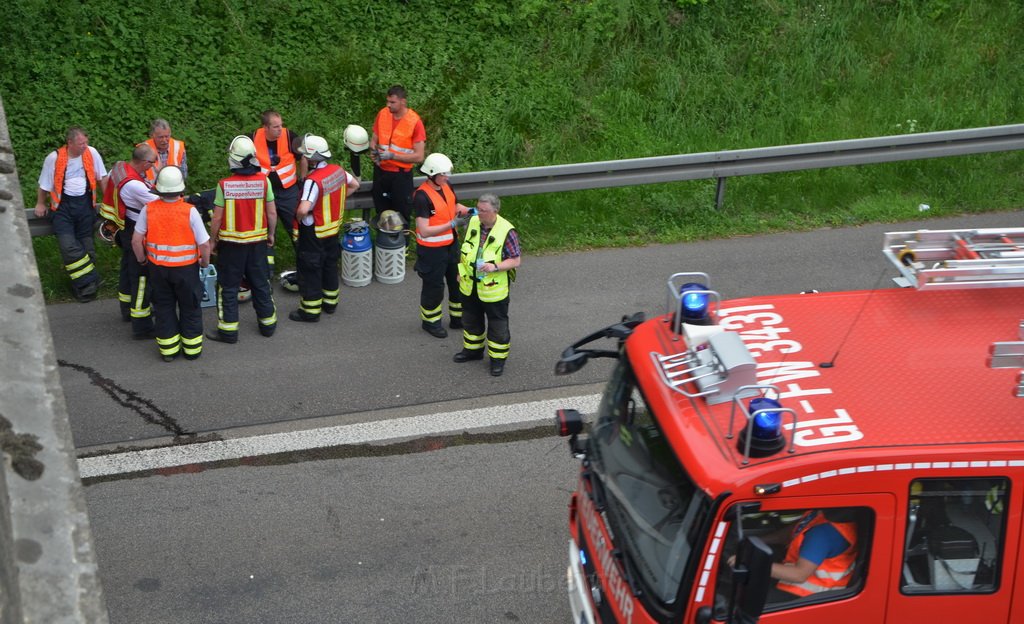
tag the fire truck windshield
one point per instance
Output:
(654, 510)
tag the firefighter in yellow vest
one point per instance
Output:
(243, 226)
(488, 261)
(73, 178)
(170, 237)
(317, 225)
(397, 145)
(169, 151)
(438, 214)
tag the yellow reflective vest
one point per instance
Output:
(490, 287)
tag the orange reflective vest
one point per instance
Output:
(169, 238)
(175, 154)
(245, 214)
(60, 168)
(396, 137)
(444, 212)
(285, 168)
(833, 573)
(113, 207)
(331, 181)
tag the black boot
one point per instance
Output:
(218, 336)
(465, 355)
(303, 317)
(497, 367)
(435, 330)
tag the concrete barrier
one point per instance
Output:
(48, 570)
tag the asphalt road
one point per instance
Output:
(373, 355)
(463, 535)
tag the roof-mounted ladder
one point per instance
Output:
(944, 259)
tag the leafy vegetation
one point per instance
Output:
(519, 83)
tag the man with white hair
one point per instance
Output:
(488, 261)
(169, 151)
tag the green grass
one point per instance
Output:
(520, 83)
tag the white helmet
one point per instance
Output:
(435, 164)
(170, 181)
(241, 150)
(315, 148)
(356, 138)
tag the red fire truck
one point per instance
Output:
(820, 457)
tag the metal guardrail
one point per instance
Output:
(710, 165)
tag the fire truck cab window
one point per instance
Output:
(653, 509)
(821, 555)
(955, 536)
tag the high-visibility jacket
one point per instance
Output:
(285, 167)
(396, 137)
(490, 287)
(113, 208)
(834, 572)
(175, 154)
(60, 168)
(331, 181)
(444, 212)
(245, 211)
(169, 238)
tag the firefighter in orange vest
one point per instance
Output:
(169, 151)
(280, 161)
(243, 225)
(820, 557)
(73, 177)
(170, 237)
(317, 224)
(125, 196)
(438, 214)
(397, 145)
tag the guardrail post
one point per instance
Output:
(48, 569)
(720, 194)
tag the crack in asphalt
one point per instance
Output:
(131, 400)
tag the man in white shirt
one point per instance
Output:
(71, 177)
(126, 195)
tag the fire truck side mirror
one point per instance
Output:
(751, 580)
(571, 361)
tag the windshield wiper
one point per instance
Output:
(628, 571)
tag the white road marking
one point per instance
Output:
(530, 413)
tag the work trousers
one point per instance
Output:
(73, 224)
(438, 267)
(392, 190)
(317, 260)
(235, 261)
(286, 201)
(133, 291)
(177, 293)
(478, 317)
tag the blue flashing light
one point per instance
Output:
(583, 558)
(695, 304)
(766, 425)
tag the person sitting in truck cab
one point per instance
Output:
(820, 557)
